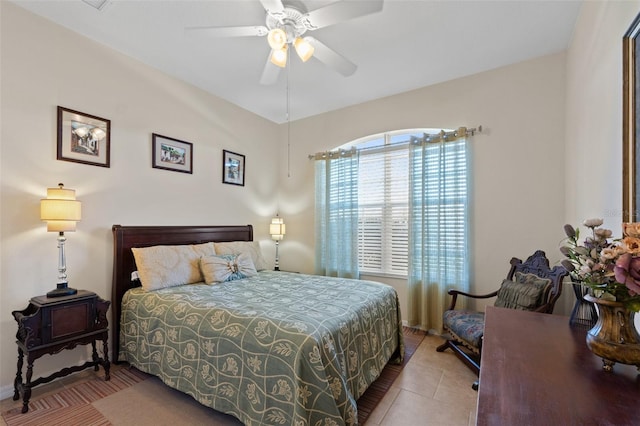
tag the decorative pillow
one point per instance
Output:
(170, 266)
(547, 283)
(228, 267)
(526, 293)
(238, 247)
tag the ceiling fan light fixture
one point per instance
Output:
(279, 56)
(277, 38)
(304, 49)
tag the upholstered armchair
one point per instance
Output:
(529, 285)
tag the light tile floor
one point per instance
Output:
(433, 389)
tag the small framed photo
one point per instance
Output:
(83, 138)
(172, 154)
(232, 168)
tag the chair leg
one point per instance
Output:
(443, 346)
(462, 355)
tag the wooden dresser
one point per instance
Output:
(536, 370)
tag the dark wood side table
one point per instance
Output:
(537, 370)
(50, 325)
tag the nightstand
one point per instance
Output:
(49, 325)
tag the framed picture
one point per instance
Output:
(83, 138)
(631, 122)
(232, 168)
(172, 154)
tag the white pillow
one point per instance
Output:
(239, 247)
(170, 266)
(228, 267)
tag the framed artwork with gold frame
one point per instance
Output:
(631, 122)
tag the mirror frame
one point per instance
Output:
(630, 121)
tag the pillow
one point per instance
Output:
(526, 293)
(170, 266)
(229, 267)
(238, 247)
(525, 278)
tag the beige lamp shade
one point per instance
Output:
(279, 56)
(60, 209)
(304, 49)
(277, 228)
(277, 38)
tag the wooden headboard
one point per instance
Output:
(126, 237)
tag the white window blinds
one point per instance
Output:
(383, 209)
(440, 198)
(337, 215)
(385, 193)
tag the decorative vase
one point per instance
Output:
(614, 338)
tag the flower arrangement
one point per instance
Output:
(611, 268)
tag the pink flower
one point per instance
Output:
(627, 272)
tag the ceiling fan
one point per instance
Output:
(286, 23)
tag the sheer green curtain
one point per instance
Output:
(337, 214)
(438, 226)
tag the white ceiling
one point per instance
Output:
(410, 44)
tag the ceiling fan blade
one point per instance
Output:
(270, 72)
(331, 58)
(227, 31)
(272, 5)
(341, 11)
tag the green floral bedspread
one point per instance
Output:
(279, 348)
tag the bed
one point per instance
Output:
(272, 348)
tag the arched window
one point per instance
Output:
(383, 200)
(397, 204)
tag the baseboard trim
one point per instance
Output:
(6, 392)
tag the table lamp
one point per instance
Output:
(277, 230)
(61, 211)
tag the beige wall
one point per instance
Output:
(594, 113)
(525, 185)
(518, 196)
(553, 134)
(593, 134)
(43, 66)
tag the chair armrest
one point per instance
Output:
(455, 294)
(547, 308)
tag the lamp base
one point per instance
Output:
(62, 290)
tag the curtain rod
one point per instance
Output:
(427, 138)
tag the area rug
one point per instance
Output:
(374, 394)
(73, 404)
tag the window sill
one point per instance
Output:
(383, 275)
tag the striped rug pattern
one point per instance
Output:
(72, 405)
